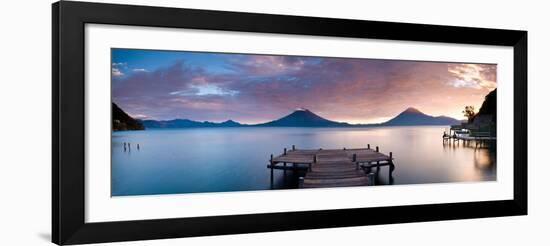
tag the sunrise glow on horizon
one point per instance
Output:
(250, 89)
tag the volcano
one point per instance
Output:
(413, 117)
(303, 118)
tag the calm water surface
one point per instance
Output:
(235, 159)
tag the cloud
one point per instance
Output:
(266, 65)
(258, 88)
(476, 76)
(117, 68)
(140, 116)
(204, 90)
(140, 70)
(175, 91)
(120, 64)
(116, 72)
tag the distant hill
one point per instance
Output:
(303, 118)
(486, 119)
(306, 118)
(184, 123)
(122, 121)
(489, 106)
(412, 116)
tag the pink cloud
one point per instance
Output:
(261, 88)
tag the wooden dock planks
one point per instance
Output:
(333, 167)
(334, 174)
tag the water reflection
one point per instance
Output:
(214, 160)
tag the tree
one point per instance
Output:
(469, 113)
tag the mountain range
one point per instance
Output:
(306, 118)
(185, 123)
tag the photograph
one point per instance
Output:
(197, 122)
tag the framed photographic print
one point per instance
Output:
(175, 122)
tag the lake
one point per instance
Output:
(173, 161)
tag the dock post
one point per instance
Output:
(371, 180)
(271, 166)
(314, 161)
(392, 167)
(354, 159)
(284, 151)
(368, 146)
(293, 147)
(377, 149)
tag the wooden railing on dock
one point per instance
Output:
(333, 167)
(479, 138)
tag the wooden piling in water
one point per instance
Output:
(392, 167)
(371, 179)
(271, 164)
(354, 160)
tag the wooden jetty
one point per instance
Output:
(333, 167)
(478, 137)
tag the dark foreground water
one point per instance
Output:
(235, 159)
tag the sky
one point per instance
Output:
(249, 88)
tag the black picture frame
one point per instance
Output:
(68, 172)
